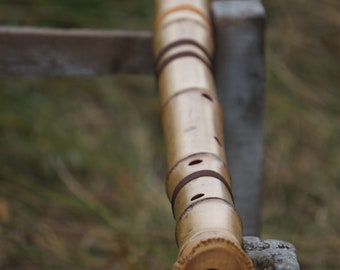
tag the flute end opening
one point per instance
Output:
(217, 253)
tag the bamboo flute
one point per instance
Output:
(208, 228)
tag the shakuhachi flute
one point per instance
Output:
(208, 228)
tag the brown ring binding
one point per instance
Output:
(194, 176)
(208, 228)
(180, 8)
(180, 43)
(180, 55)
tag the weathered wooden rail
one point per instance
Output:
(239, 74)
(76, 52)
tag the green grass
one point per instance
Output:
(302, 164)
(78, 13)
(79, 161)
(82, 160)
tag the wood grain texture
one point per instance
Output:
(208, 228)
(239, 73)
(56, 52)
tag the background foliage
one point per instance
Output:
(82, 160)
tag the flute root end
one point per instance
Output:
(213, 254)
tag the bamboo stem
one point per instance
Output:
(208, 229)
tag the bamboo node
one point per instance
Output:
(183, 7)
(213, 253)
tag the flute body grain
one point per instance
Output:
(208, 228)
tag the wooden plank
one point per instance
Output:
(44, 51)
(239, 68)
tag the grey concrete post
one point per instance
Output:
(239, 70)
(271, 254)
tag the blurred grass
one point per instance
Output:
(302, 159)
(79, 161)
(82, 159)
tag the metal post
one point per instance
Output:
(239, 70)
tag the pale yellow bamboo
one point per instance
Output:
(208, 229)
